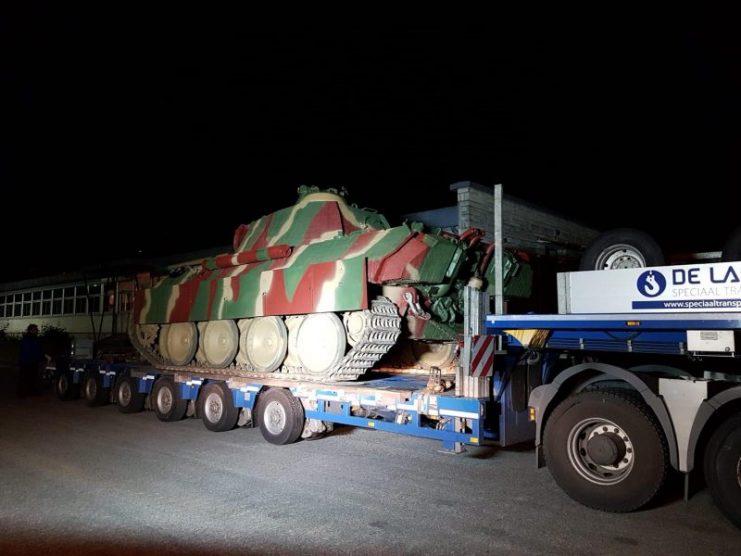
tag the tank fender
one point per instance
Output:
(542, 399)
(706, 410)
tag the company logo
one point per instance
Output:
(651, 283)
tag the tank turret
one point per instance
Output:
(320, 290)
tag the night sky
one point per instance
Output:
(160, 134)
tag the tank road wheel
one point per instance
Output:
(320, 342)
(723, 468)
(127, 395)
(216, 407)
(167, 403)
(244, 326)
(180, 341)
(355, 324)
(606, 451)
(280, 416)
(292, 325)
(433, 354)
(266, 342)
(219, 342)
(162, 342)
(93, 389)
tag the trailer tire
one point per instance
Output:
(65, 388)
(606, 450)
(127, 395)
(216, 407)
(732, 247)
(280, 416)
(622, 248)
(95, 394)
(723, 468)
(166, 401)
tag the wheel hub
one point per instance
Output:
(275, 418)
(606, 449)
(620, 256)
(164, 400)
(600, 451)
(125, 394)
(213, 408)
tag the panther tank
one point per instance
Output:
(321, 290)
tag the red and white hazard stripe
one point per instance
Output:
(482, 356)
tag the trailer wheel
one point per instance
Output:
(65, 388)
(216, 407)
(622, 248)
(280, 416)
(723, 468)
(606, 451)
(127, 395)
(93, 389)
(732, 247)
(167, 403)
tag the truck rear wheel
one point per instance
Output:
(606, 451)
(280, 416)
(167, 403)
(216, 407)
(723, 468)
(127, 395)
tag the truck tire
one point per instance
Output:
(622, 248)
(606, 450)
(723, 468)
(166, 401)
(65, 388)
(127, 395)
(280, 416)
(732, 247)
(93, 390)
(216, 407)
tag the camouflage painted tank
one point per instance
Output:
(319, 290)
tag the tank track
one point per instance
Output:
(378, 337)
(380, 334)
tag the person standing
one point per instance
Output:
(31, 356)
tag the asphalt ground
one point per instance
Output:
(81, 480)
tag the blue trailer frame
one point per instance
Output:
(394, 403)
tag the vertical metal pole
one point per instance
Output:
(498, 259)
(474, 312)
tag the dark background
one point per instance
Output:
(129, 136)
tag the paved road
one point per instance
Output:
(85, 480)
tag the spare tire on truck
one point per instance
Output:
(622, 248)
(732, 247)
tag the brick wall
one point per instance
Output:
(524, 224)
